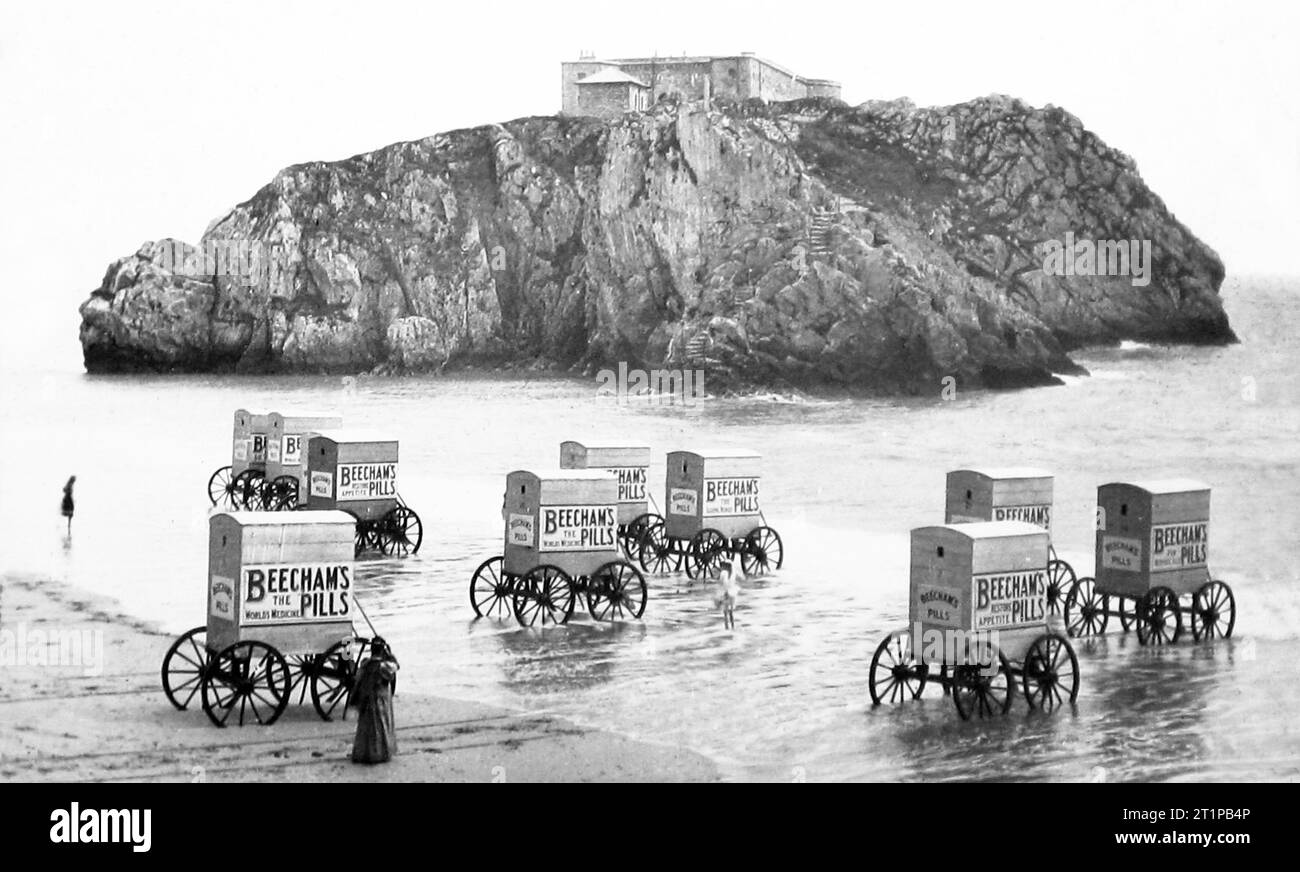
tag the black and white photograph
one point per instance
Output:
(578, 391)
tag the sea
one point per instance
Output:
(783, 696)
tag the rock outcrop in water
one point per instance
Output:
(880, 248)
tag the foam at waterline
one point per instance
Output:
(1094, 375)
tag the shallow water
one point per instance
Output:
(784, 696)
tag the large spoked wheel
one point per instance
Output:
(280, 494)
(491, 589)
(1159, 618)
(220, 488)
(1085, 609)
(656, 553)
(705, 554)
(1214, 611)
(248, 680)
(763, 552)
(1060, 579)
(1051, 673)
(400, 532)
(367, 538)
(184, 667)
(631, 535)
(982, 690)
(335, 676)
(895, 673)
(616, 590)
(544, 596)
(246, 490)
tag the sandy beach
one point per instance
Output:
(97, 712)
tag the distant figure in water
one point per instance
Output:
(68, 506)
(728, 592)
(376, 739)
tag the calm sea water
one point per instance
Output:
(783, 696)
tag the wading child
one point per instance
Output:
(728, 591)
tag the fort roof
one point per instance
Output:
(609, 77)
(671, 60)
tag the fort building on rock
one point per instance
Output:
(608, 88)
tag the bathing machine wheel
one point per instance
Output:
(184, 666)
(762, 552)
(491, 589)
(221, 488)
(1086, 609)
(1050, 673)
(895, 675)
(704, 556)
(545, 595)
(248, 682)
(400, 532)
(616, 590)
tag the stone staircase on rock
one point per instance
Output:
(697, 348)
(822, 222)
(819, 233)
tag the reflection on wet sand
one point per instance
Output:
(1156, 701)
(557, 660)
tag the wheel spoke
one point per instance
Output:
(883, 686)
(269, 702)
(535, 610)
(1056, 651)
(190, 660)
(193, 679)
(227, 708)
(336, 696)
(228, 703)
(252, 704)
(524, 614)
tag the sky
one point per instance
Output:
(125, 122)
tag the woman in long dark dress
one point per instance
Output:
(376, 739)
(68, 506)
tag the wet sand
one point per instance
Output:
(105, 718)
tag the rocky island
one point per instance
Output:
(810, 245)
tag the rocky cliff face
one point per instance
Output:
(880, 248)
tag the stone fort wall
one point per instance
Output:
(739, 77)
